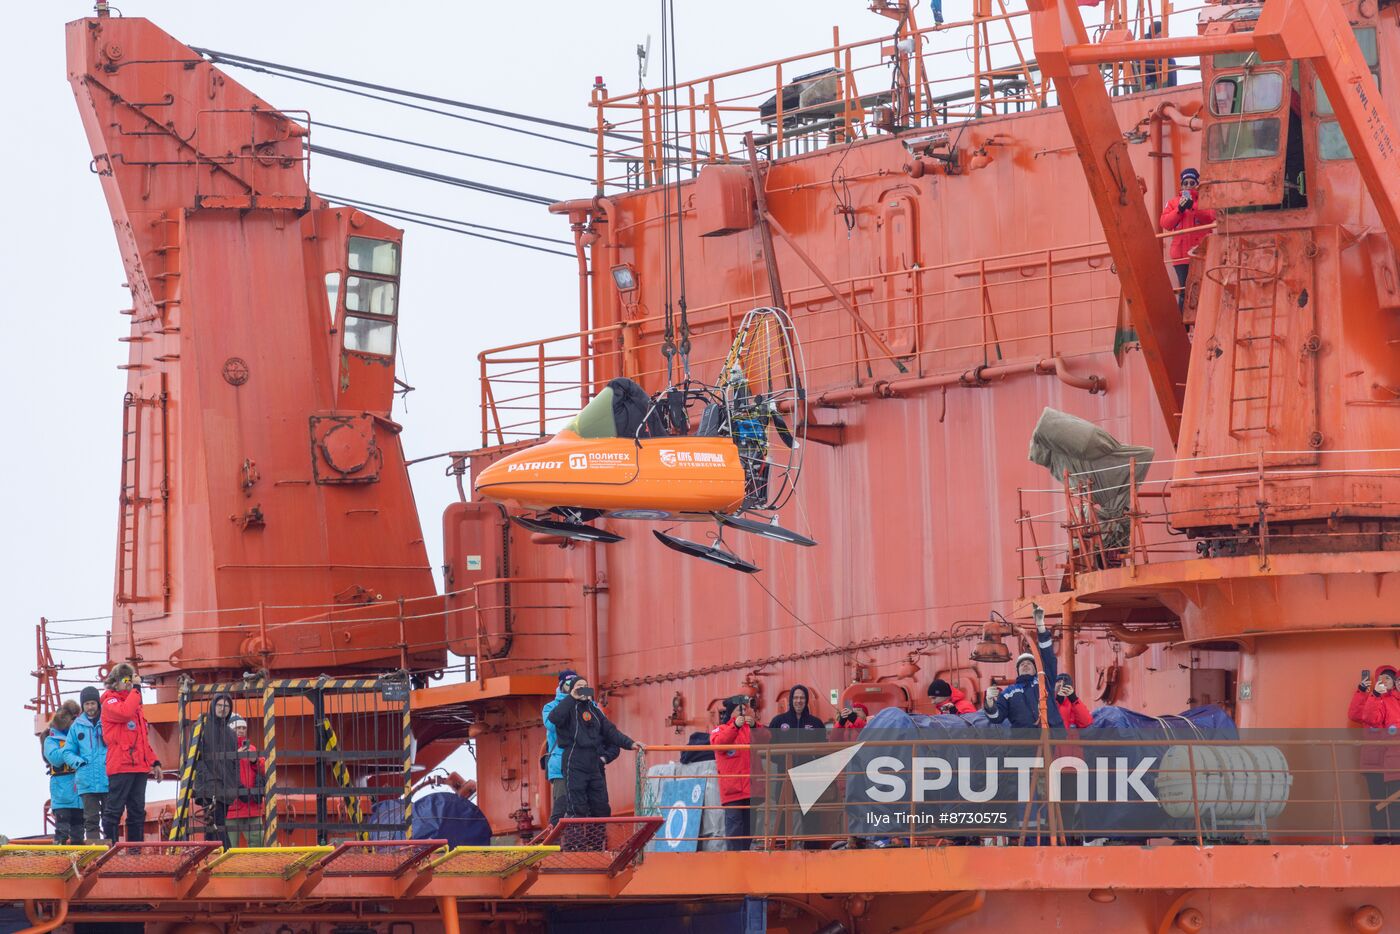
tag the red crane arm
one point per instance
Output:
(1057, 27)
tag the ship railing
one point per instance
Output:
(915, 78)
(990, 786)
(1097, 520)
(480, 623)
(970, 320)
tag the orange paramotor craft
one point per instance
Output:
(627, 455)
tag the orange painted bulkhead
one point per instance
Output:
(265, 517)
(916, 504)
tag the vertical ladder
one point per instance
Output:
(129, 516)
(1255, 336)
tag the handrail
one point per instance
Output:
(701, 120)
(1078, 538)
(1299, 787)
(527, 387)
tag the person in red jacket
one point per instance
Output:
(948, 699)
(736, 721)
(1181, 213)
(851, 718)
(1072, 710)
(130, 759)
(1376, 705)
(245, 814)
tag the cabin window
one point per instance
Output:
(369, 335)
(1245, 139)
(1239, 60)
(1331, 144)
(377, 257)
(333, 291)
(1253, 93)
(371, 296)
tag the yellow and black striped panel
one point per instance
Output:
(179, 827)
(342, 775)
(270, 755)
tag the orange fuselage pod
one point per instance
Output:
(654, 477)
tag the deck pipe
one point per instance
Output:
(978, 376)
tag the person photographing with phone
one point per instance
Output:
(1182, 213)
(736, 722)
(584, 734)
(1376, 705)
(130, 758)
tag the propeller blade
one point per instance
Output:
(784, 432)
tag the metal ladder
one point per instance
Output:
(128, 522)
(1255, 333)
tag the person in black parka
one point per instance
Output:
(585, 736)
(216, 768)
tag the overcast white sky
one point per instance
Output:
(460, 295)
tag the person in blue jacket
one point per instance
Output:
(63, 761)
(86, 737)
(1019, 703)
(554, 756)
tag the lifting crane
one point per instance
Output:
(1313, 30)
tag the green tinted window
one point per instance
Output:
(1331, 144)
(1366, 38)
(1255, 93)
(1239, 60)
(1244, 139)
(379, 257)
(595, 420)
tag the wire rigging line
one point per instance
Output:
(241, 61)
(684, 329)
(455, 152)
(383, 212)
(788, 610)
(370, 205)
(431, 176)
(431, 110)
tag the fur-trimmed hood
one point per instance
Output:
(120, 672)
(63, 717)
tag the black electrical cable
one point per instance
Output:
(455, 152)
(430, 176)
(371, 206)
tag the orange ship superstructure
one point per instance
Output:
(956, 259)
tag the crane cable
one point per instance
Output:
(428, 220)
(454, 152)
(416, 172)
(670, 347)
(307, 76)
